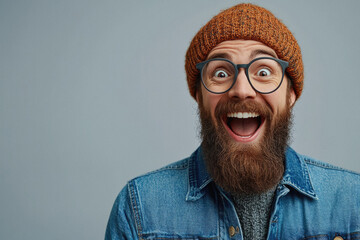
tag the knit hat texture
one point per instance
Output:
(248, 22)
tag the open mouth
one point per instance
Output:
(243, 126)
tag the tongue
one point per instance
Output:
(244, 126)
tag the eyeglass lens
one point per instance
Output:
(265, 75)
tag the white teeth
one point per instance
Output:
(243, 115)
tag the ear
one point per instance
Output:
(292, 97)
(197, 95)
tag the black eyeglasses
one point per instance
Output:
(264, 74)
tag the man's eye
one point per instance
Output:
(263, 72)
(221, 74)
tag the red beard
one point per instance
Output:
(245, 168)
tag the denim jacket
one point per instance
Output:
(313, 201)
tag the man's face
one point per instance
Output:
(242, 52)
(245, 150)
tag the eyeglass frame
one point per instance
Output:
(283, 64)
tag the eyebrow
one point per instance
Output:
(219, 55)
(253, 54)
(262, 52)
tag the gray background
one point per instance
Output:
(93, 93)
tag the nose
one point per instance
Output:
(242, 88)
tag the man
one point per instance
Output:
(245, 70)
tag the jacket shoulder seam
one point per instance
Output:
(180, 165)
(329, 166)
(135, 207)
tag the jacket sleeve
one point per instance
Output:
(121, 224)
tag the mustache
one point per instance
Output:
(231, 106)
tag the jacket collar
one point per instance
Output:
(296, 175)
(198, 176)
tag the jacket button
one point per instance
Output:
(338, 238)
(232, 231)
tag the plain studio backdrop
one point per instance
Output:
(93, 93)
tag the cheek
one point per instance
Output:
(210, 102)
(277, 101)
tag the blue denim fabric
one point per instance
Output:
(314, 201)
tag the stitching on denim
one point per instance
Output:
(188, 238)
(192, 167)
(316, 236)
(356, 237)
(191, 181)
(308, 178)
(324, 235)
(327, 166)
(192, 177)
(135, 209)
(301, 190)
(183, 164)
(205, 183)
(306, 175)
(175, 236)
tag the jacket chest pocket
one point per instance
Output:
(178, 238)
(165, 236)
(317, 237)
(336, 236)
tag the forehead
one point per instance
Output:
(241, 48)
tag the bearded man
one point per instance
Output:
(245, 70)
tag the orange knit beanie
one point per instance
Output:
(248, 22)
